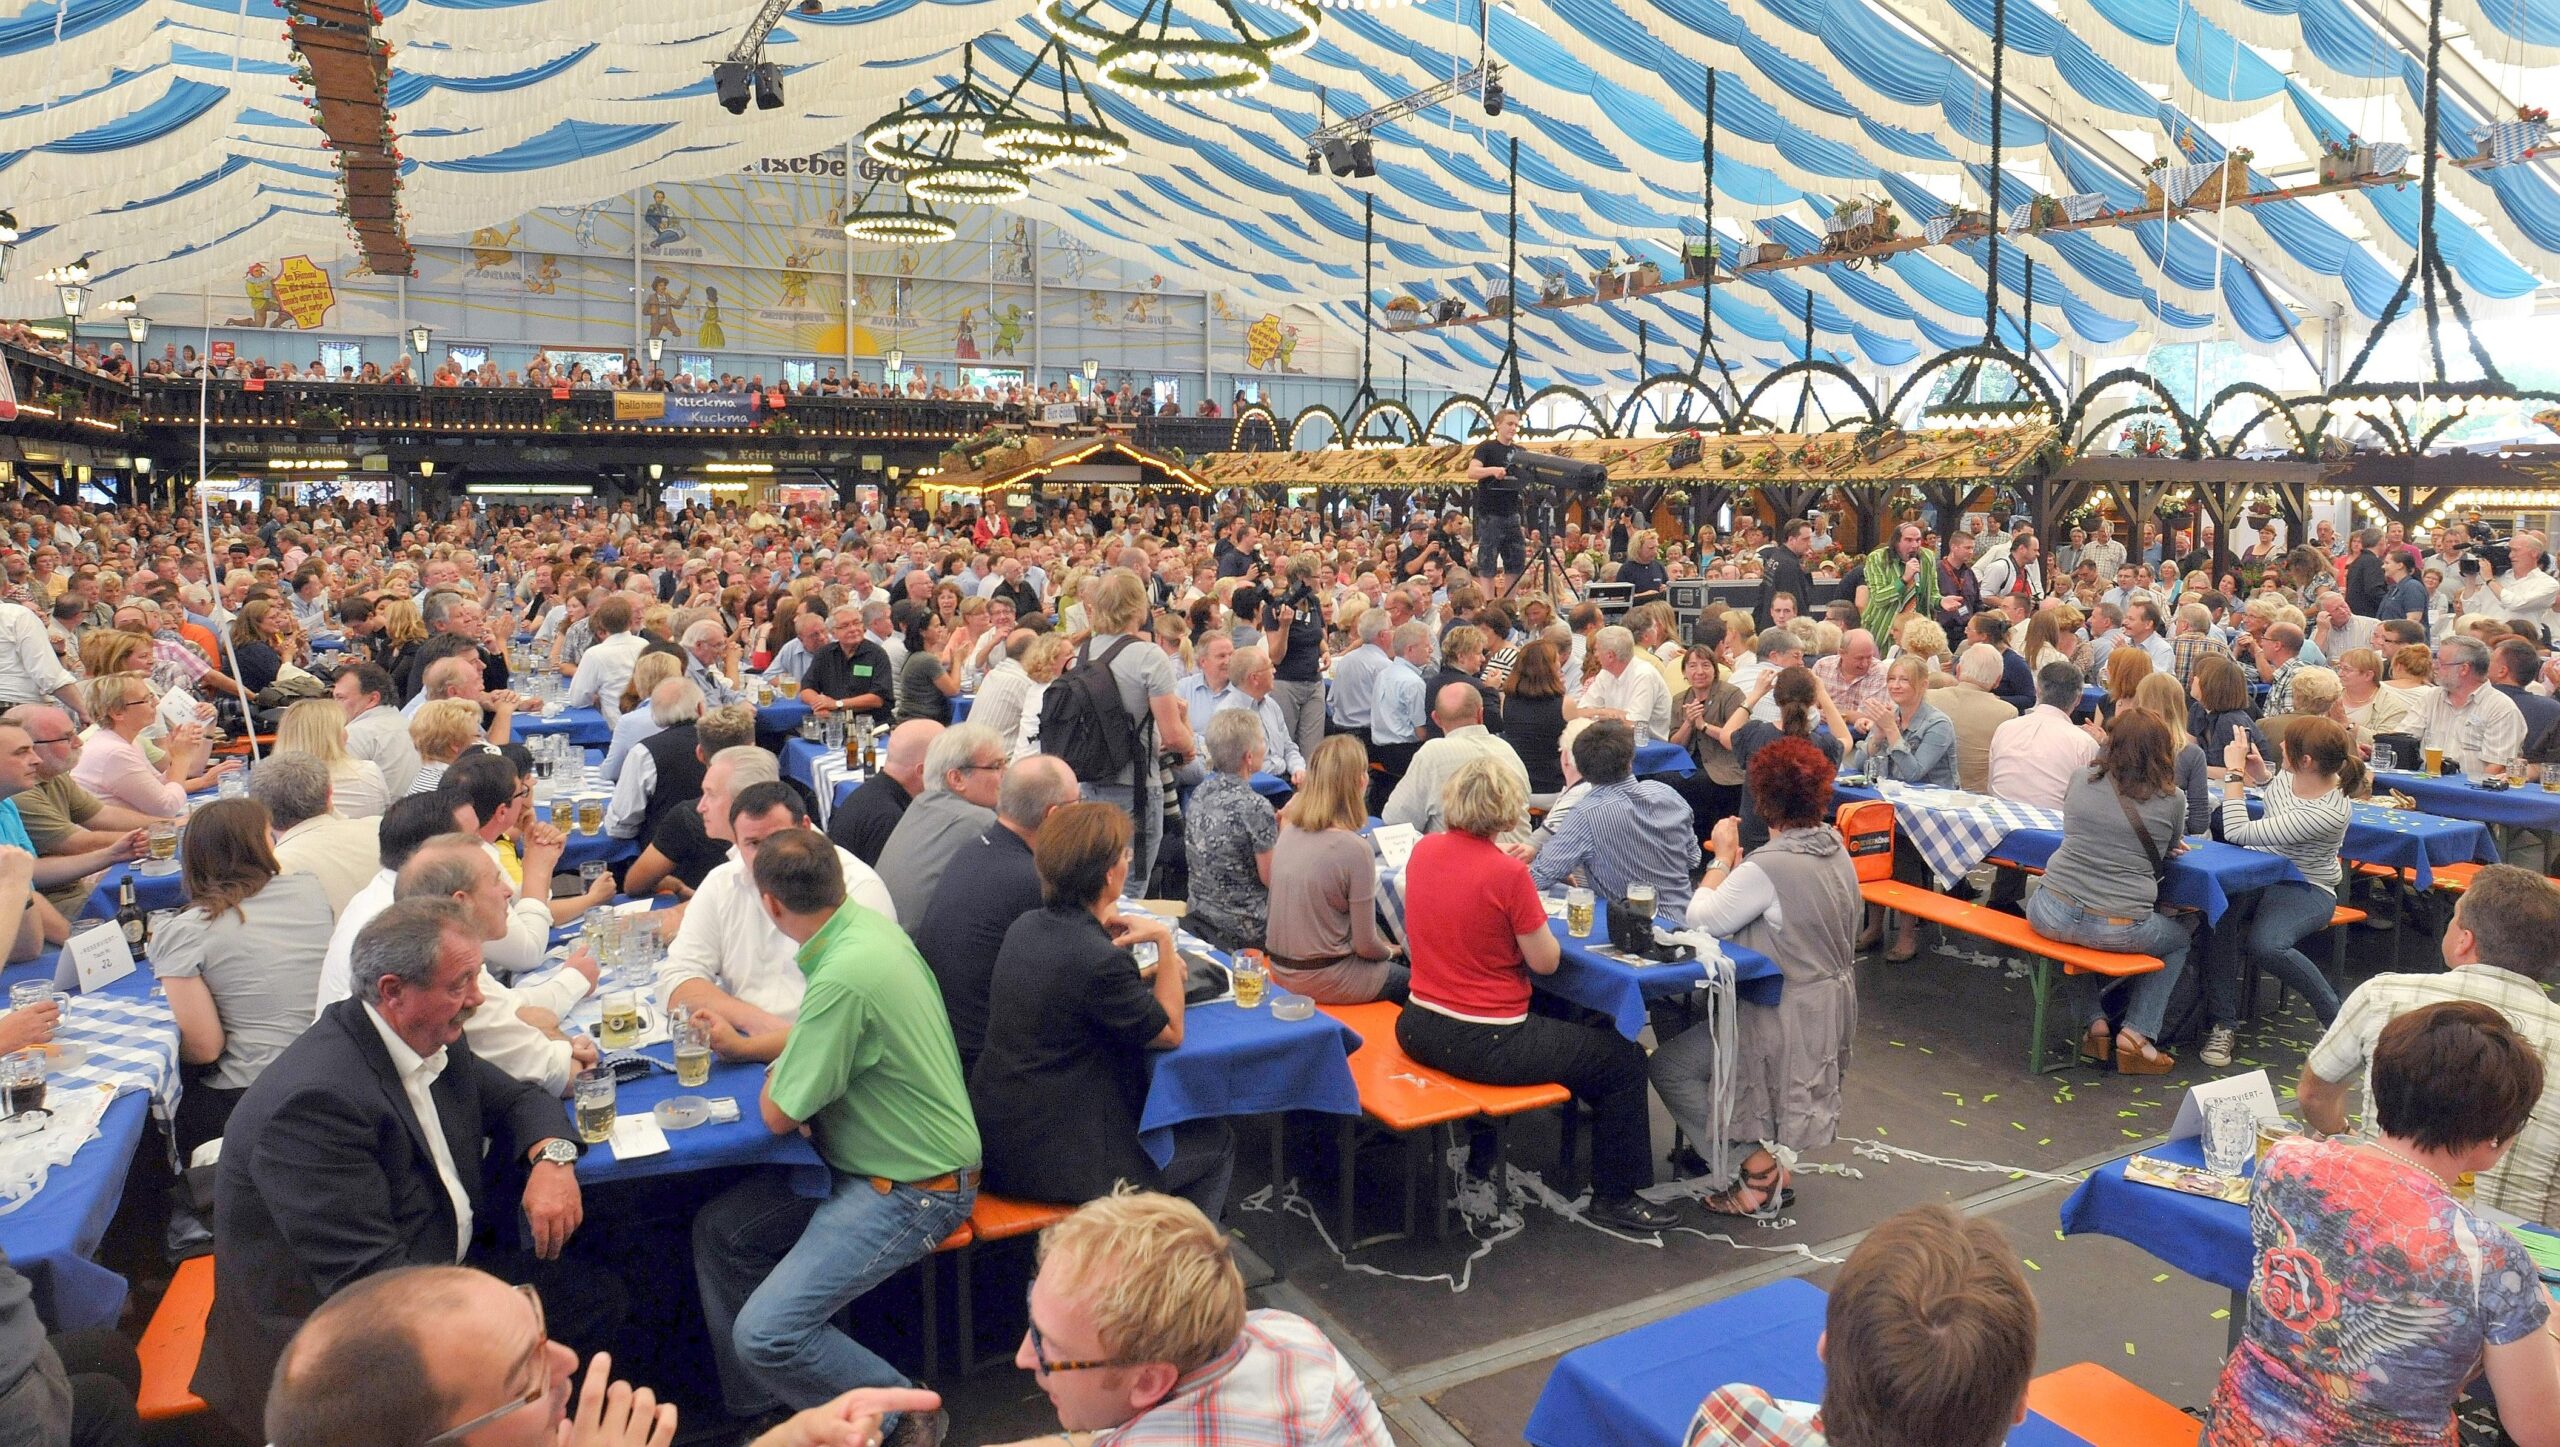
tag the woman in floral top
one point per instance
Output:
(2378, 1296)
(1228, 832)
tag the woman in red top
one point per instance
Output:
(1477, 930)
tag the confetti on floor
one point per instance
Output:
(2222, 1313)
(2163, 1276)
(2031, 1263)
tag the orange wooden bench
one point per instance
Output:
(1867, 827)
(172, 1342)
(993, 1218)
(2096, 1405)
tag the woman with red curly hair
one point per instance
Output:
(1789, 1056)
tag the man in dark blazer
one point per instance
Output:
(332, 1171)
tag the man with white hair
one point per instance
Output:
(963, 772)
(1400, 706)
(1634, 696)
(1977, 711)
(1007, 686)
(851, 675)
(459, 676)
(1855, 682)
(711, 664)
(2523, 597)
(727, 959)
(808, 635)
(1209, 688)
(1776, 651)
(1255, 681)
(1355, 674)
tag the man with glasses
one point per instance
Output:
(963, 775)
(75, 833)
(397, 1357)
(361, 1149)
(1139, 1329)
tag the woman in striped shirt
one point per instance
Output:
(2306, 822)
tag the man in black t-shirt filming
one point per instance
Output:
(1498, 541)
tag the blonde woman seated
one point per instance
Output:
(318, 727)
(2372, 707)
(440, 732)
(636, 723)
(1323, 931)
(113, 765)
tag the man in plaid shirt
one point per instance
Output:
(1926, 1289)
(1140, 1336)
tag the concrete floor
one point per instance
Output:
(1939, 1071)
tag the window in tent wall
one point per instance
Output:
(469, 359)
(339, 357)
(698, 367)
(1165, 389)
(996, 377)
(799, 374)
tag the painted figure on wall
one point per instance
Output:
(1013, 254)
(263, 311)
(660, 221)
(1270, 345)
(1009, 328)
(544, 278)
(712, 333)
(965, 346)
(795, 274)
(492, 248)
(660, 307)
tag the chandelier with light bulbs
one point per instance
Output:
(1165, 52)
(903, 223)
(1040, 143)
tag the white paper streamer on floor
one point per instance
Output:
(1879, 1151)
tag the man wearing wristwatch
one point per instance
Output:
(361, 1148)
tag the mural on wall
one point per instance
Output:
(757, 264)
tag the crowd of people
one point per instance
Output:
(945, 981)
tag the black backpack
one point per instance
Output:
(1083, 722)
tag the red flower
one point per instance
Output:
(2294, 1290)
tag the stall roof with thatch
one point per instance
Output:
(1712, 460)
(995, 461)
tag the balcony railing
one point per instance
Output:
(1187, 436)
(64, 396)
(335, 407)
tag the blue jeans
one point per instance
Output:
(2268, 928)
(2147, 1000)
(775, 1267)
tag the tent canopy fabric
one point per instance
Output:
(171, 136)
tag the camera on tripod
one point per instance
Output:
(1562, 476)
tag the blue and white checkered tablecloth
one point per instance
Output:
(822, 769)
(1955, 831)
(132, 1044)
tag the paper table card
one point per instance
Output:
(95, 957)
(637, 1136)
(1395, 843)
(2252, 1087)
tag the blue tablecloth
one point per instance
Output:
(1619, 990)
(585, 727)
(2208, 1240)
(960, 706)
(781, 718)
(1641, 1387)
(51, 1239)
(585, 847)
(713, 1145)
(2206, 876)
(1272, 786)
(2525, 806)
(1234, 1061)
(152, 891)
(1662, 758)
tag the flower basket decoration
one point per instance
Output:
(2344, 161)
(1647, 274)
(1696, 259)
(1858, 224)
(1553, 288)
(559, 419)
(2045, 211)
(1968, 218)
(1606, 284)
(780, 424)
(2230, 186)
(1764, 252)
(1403, 313)
(62, 402)
(320, 418)
(2152, 198)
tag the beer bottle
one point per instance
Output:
(131, 920)
(856, 741)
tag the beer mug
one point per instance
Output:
(2230, 1136)
(1251, 979)
(2384, 759)
(1640, 899)
(692, 1035)
(164, 841)
(593, 1093)
(620, 1027)
(22, 1084)
(1577, 912)
(591, 816)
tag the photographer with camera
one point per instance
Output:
(1499, 547)
(2524, 597)
(1293, 623)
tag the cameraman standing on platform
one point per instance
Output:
(1498, 543)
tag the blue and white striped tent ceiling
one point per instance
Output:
(169, 136)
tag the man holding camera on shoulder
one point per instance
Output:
(2523, 597)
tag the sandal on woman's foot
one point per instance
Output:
(1756, 1195)
(2143, 1058)
(1902, 954)
(2098, 1045)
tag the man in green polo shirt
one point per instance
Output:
(872, 1073)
